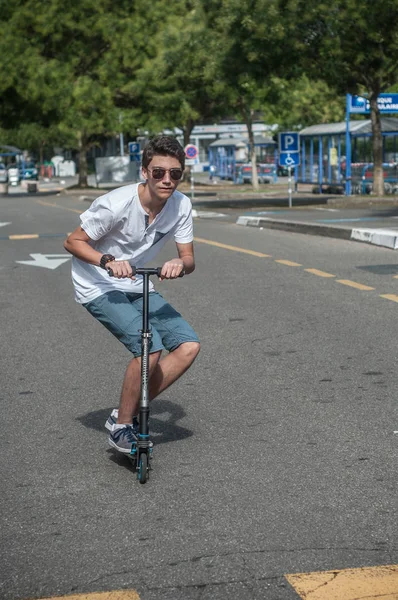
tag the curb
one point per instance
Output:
(387, 238)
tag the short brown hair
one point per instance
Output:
(163, 145)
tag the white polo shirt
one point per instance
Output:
(118, 225)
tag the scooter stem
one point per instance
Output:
(146, 336)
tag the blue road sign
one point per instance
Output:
(387, 104)
(289, 159)
(134, 148)
(289, 141)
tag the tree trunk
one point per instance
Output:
(253, 159)
(377, 144)
(187, 130)
(248, 119)
(83, 183)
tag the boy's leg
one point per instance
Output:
(121, 314)
(130, 396)
(167, 370)
(178, 338)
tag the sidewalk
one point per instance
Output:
(378, 226)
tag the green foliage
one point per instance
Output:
(302, 102)
(353, 43)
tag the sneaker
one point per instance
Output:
(122, 438)
(111, 420)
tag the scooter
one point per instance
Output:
(141, 451)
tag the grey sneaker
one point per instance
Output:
(122, 438)
(111, 420)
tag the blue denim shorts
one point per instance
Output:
(121, 313)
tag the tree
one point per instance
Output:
(75, 73)
(302, 102)
(174, 82)
(248, 47)
(353, 45)
(56, 66)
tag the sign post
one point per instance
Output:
(289, 155)
(191, 153)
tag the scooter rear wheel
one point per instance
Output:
(142, 474)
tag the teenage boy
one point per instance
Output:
(129, 226)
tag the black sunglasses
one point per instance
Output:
(159, 172)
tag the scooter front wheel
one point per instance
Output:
(142, 474)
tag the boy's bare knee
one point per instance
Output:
(190, 350)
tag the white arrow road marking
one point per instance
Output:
(48, 261)
(4, 224)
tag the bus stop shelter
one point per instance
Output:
(323, 155)
(6, 151)
(229, 155)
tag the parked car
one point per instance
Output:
(14, 174)
(3, 173)
(266, 173)
(283, 171)
(29, 171)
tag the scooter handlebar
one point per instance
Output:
(146, 270)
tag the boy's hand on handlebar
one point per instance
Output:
(172, 269)
(121, 269)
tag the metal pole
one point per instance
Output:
(290, 186)
(192, 185)
(121, 138)
(348, 148)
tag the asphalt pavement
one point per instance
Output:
(275, 455)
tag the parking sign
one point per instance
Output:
(289, 141)
(134, 148)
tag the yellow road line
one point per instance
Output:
(235, 248)
(59, 206)
(319, 273)
(115, 595)
(392, 297)
(348, 584)
(26, 236)
(289, 263)
(354, 284)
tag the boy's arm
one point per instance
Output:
(77, 243)
(185, 262)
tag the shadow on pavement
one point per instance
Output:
(380, 269)
(162, 421)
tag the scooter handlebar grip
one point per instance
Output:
(160, 272)
(134, 270)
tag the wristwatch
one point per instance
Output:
(105, 258)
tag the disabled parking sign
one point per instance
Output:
(289, 159)
(289, 149)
